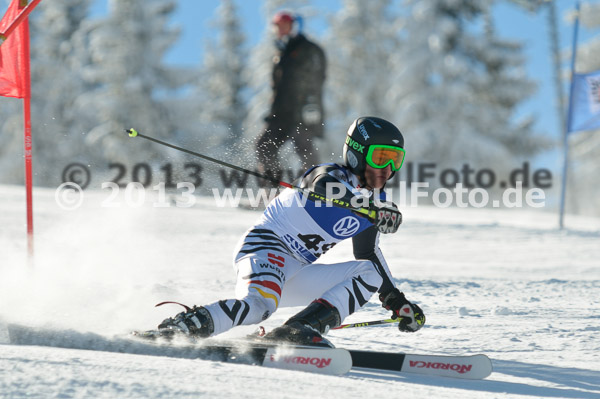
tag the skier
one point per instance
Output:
(275, 259)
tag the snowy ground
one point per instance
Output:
(504, 283)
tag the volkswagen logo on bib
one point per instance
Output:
(346, 227)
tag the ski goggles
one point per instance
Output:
(380, 156)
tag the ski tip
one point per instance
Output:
(487, 367)
(470, 367)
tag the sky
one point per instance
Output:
(194, 18)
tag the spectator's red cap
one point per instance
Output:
(282, 16)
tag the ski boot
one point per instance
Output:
(194, 322)
(307, 327)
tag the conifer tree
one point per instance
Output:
(130, 79)
(223, 78)
(458, 88)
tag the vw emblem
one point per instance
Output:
(346, 227)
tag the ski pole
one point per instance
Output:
(368, 323)
(370, 213)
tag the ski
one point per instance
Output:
(465, 367)
(472, 367)
(322, 360)
(315, 359)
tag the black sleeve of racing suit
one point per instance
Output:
(365, 244)
(318, 178)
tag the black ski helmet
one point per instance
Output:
(364, 132)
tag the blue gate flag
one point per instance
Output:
(584, 105)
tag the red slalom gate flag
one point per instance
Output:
(15, 82)
(13, 54)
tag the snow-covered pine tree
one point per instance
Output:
(58, 55)
(130, 80)
(360, 44)
(223, 77)
(457, 89)
(502, 87)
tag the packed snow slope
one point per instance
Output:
(506, 283)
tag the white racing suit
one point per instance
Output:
(275, 259)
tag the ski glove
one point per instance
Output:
(388, 218)
(411, 316)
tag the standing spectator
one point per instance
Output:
(297, 106)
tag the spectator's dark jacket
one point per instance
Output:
(298, 78)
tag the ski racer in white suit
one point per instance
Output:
(275, 259)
